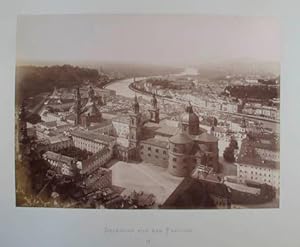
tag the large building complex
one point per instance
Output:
(133, 137)
(258, 162)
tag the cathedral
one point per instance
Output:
(179, 149)
(88, 113)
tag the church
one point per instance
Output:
(179, 149)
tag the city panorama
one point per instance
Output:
(147, 112)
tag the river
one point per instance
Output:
(122, 86)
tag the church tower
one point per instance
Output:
(76, 108)
(135, 124)
(91, 113)
(154, 110)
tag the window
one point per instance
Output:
(174, 166)
(149, 148)
(142, 146)
(175, 150)
(174, 159)
(156, 150)
(164, 152)
(149, 155)
(142, 152)
(156, 156)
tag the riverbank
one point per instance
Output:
(246, 116)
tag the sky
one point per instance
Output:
(149, 39)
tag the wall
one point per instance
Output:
(154, 154)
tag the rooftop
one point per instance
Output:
(181, 138)
(194, 193)
(121, 119)
(48, 124)
(206, 137)
(249, 155)
(156, 142)
(166, 130)
(103, 123)
(58, 157)
(89, 135)
(56, 139)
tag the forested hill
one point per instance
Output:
(262, 92)
(31, 80)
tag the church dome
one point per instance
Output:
(180, 138)
(205, 137)
(190, 119)
(189, 116)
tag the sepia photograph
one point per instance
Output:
(147, 111)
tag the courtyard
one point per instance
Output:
(144, 177)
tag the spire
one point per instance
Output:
(77, 105)
(135, 105)
(77, 93)
(91, 93)
(189, 108)
(154, 101)
(180, 127)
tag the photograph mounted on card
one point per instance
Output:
(147, 112)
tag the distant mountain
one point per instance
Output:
(244, 67)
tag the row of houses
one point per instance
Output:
(260, 110)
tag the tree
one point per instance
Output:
(229, 154)
(215, 121)
(233, 144)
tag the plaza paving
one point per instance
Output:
(144, 177)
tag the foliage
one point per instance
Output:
(31, 80)
(229, 154)
(233, 144)
(262, 92)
